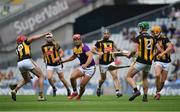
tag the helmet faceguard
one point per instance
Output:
(106, 34)
(77, 39)
(156, 31)
(49, 37)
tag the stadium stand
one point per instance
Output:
(9, 7)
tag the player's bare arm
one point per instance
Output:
(159, 48)
(96, 51)
(69, 59)
(61, 52)
(35, 37)
(126, 53)
(134, 51)
(168, 49)
(58, 48)
(115, 48)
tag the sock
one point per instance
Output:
(41, 94)
(68, 90)
(158, 90)
(162, 85)
(99, 87)
(14, 91)
(117, 91)
(135, 89)
(145, 95)
(74, 89)
(54, 87)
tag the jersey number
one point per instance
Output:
(19, 48)
(148, 46)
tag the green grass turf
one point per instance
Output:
(89, 103)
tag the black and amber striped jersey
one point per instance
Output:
(51, 52)
(162, 41)
(23, 50)
(146, 48)
(105, 46)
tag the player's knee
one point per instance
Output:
(27, 80)
(61, 78)
(144, 79)
(158, 75)
(103, 78)
(144, 76)
(115, 77)
(49, 77)
(130, 75)
(41, 76)
(145, 87)
(127, 77)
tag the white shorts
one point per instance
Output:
(164, 66)
(104, 68)
(26, 65)
(57, 69)
(141, 66)
(88, 71)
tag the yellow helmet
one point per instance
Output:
(156, 30)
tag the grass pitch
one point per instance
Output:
(89, 103)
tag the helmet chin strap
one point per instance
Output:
(105, 38)
(77, 43)
(143, 31)
(78, 46)
(49, 41)
(159, 35)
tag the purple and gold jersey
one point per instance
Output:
(81, 54)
